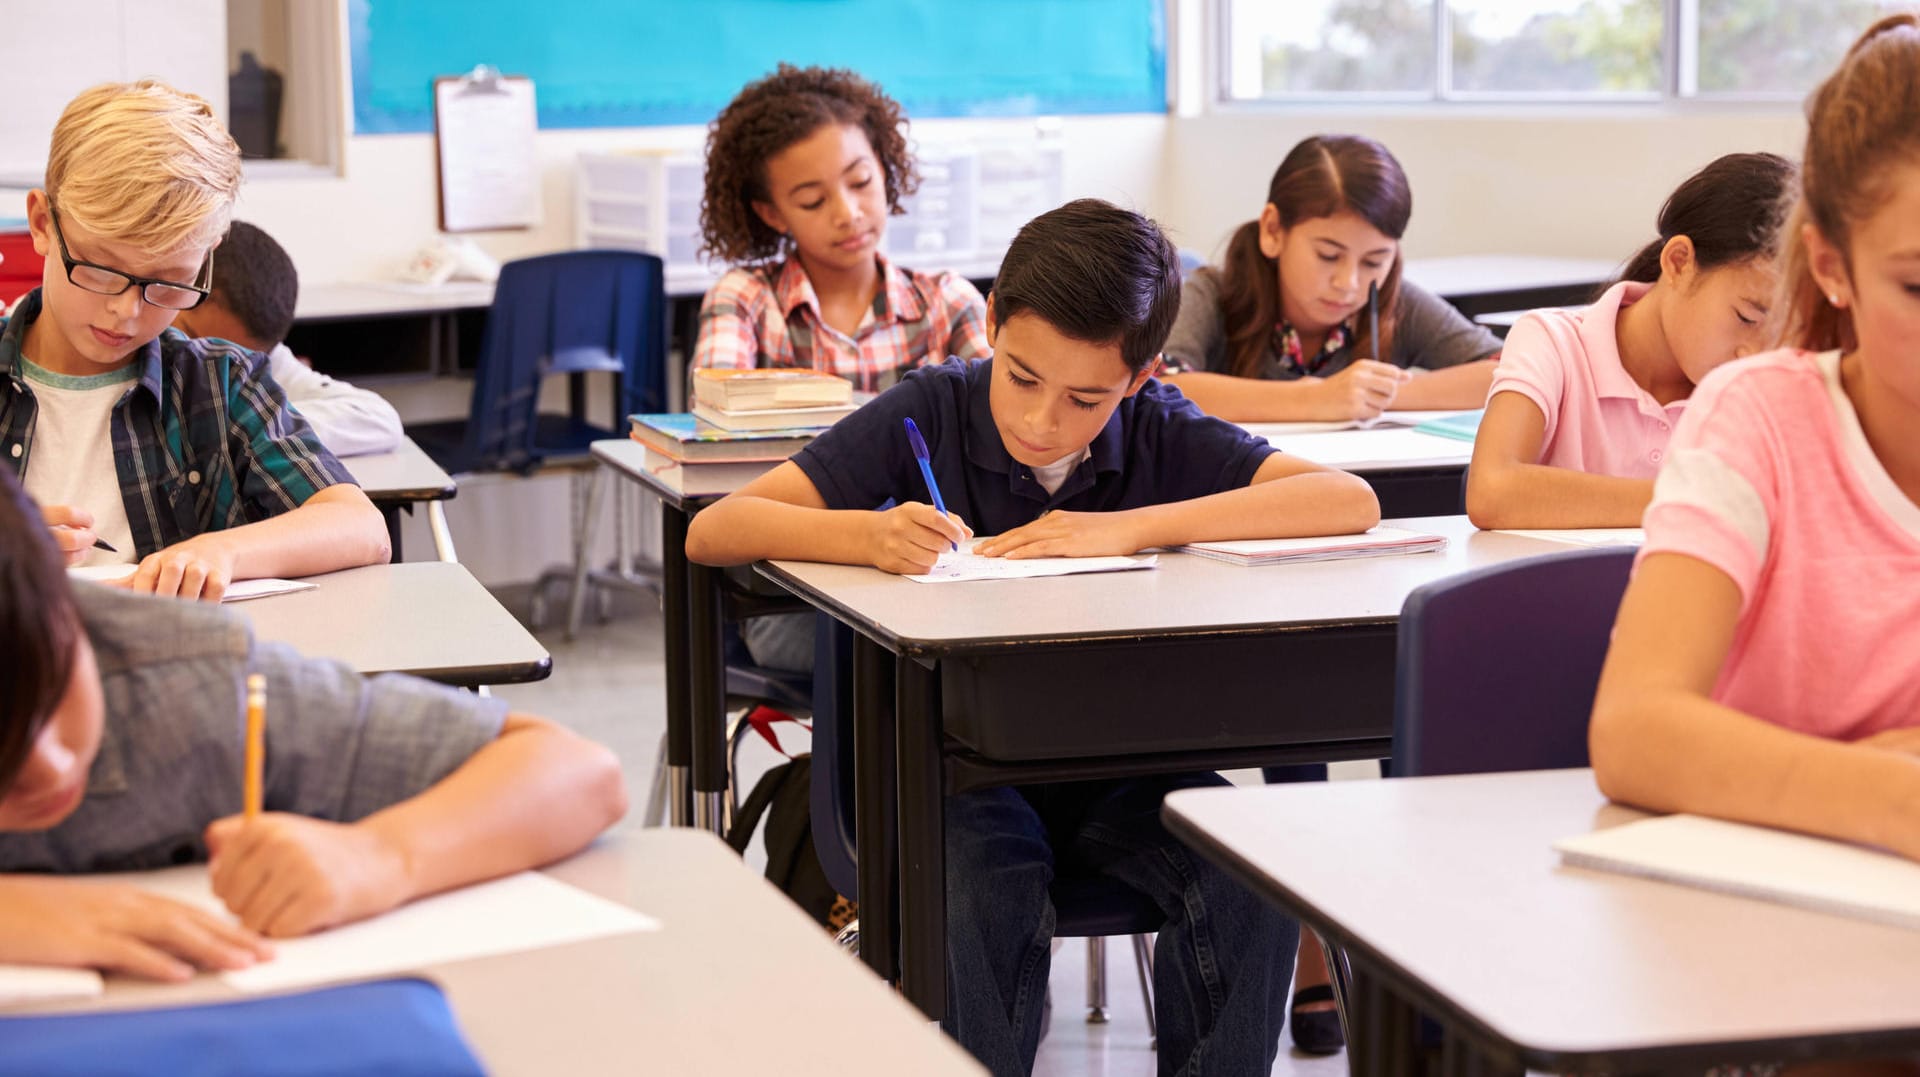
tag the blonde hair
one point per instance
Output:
(144, 164)
(1863, 118)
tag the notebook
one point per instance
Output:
(39, 983)
(1374, 543)
(1462, 427)
(685, 438)
(1757, 862)
(237, 591)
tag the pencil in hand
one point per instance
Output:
(256, 744)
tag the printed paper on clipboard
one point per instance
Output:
(484, 125)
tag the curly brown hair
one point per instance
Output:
(767, 117)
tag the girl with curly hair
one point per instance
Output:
(803, 169)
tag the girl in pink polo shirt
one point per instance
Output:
(1584, 401)
(1766, 662)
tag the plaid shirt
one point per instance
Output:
(202, 441)
(769, 317)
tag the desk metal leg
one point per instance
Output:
(708, 725)
(442, 535)
(873, 796)
(923, 859)
(675, 623)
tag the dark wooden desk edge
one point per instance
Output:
(1665, 1057)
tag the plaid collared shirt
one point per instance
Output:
(769, 316)
(202, 441)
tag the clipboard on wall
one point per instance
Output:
(489, 171)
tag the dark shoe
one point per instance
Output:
(1318, 1032)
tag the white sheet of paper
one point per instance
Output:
(1386, 420)
(37, 983)
(1376, 449)
(102, 573)
(967, 565)
(520, 912)
(1587, 536)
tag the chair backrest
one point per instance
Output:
(1497, 667)
(570, 312)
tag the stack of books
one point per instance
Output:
(771, 399)
(1379, 541)
(743, 422)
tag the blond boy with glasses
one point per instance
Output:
(140, 444)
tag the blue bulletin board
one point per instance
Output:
(630, 63)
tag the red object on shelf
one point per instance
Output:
(20, 266)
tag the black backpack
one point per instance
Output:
(782, 795)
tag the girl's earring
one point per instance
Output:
(1835, 300)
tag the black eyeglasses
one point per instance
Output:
(102, 280)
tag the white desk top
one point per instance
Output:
(429, 618)
(360, 299)
(737, 981)
(1184, 595)
(1454, 882)
(1479, 274)
(405, 474)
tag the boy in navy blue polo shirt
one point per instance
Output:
(1063, 444)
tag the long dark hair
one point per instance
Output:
(1321, 177)
(38, 626)
(1731, 210)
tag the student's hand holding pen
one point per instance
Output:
(72, 528)
(73, 923)
(910, 537)
(286, 875)
(1361, 391)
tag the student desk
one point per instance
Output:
(696, 602)
(1194, 665)
(356, 328)
(1413, 474)
(667, 1001)
(428, 618)
(400, 479)
(1448, 897)
(1479, 283)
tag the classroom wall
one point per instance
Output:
(1549, 180)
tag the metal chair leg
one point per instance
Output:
(585, 517)
(1143, 965)
(657, 792)
(442, 536)
(1096, 981)
(1340, 978)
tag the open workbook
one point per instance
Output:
(1757, 862)
(1375, 543)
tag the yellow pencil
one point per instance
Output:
(256, 743)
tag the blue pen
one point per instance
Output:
(926, 467)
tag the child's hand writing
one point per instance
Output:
(910, 537)
(1361, 391)
(286, 875)
(72, 529)
(201, 567)
(117, 928)
(1066, 534)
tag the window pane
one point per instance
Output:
(1277, 48)
(1777, 46)
(1557, 46)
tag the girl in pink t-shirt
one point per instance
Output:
(1584, 401)
(1766, 662)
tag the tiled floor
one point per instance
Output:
(607, 684)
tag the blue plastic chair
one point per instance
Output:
(1497, 667)
(1084, 907)
(574, 312)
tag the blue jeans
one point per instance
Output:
(1222, 962)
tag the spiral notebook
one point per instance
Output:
(1757, 862)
